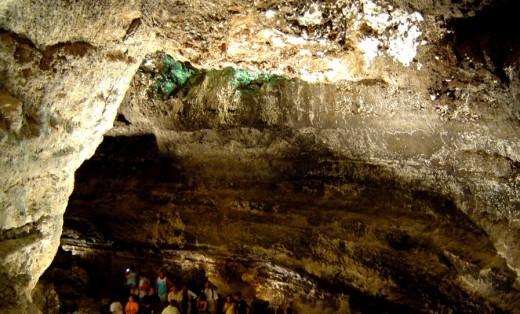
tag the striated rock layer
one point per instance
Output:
(387, 158)
(358, 186)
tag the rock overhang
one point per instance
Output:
(463, 105)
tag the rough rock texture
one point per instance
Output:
(406, 97)
(46, 298)
(357, 187)
(61, 93)
(293, 205)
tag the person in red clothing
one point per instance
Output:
(131, 307)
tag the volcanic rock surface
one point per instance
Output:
(383, 164)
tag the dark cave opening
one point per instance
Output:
(135, 206)
(490, 38)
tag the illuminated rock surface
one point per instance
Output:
(383, 165)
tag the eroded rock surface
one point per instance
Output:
(296, 206)
(60, 96)
(406, 105)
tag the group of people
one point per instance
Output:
(165, 297)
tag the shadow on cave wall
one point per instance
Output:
(308, 166)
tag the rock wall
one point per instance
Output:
(61, 91)
(357, 185)
(428, 103)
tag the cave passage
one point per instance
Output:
(291, 236)
(318, 157)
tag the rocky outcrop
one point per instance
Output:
(387, 96)
(298, 208)
(355, 186)
(46, 298)
(61, 93)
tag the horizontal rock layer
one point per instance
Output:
(359, 186)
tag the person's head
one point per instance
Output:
(209, 285)
(131, 298)
(228, 298)
(237, 296)
(161, 274)
(173, 288)
(151, 291)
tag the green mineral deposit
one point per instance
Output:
(174, 75)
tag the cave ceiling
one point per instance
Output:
(337, 148)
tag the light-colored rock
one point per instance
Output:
(68, 92)
(45, 298)
(65, 68)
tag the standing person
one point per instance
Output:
(187, 299)
(172, 308)
(175, 294)
(242, 307)
(131, 278)
(143, 290)
(134, 291)
(162, 283)
(149, 302)
(212, 296)
(202, 304)
(229, 306)
(289, 308)
(131, 307)
(143, 281)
